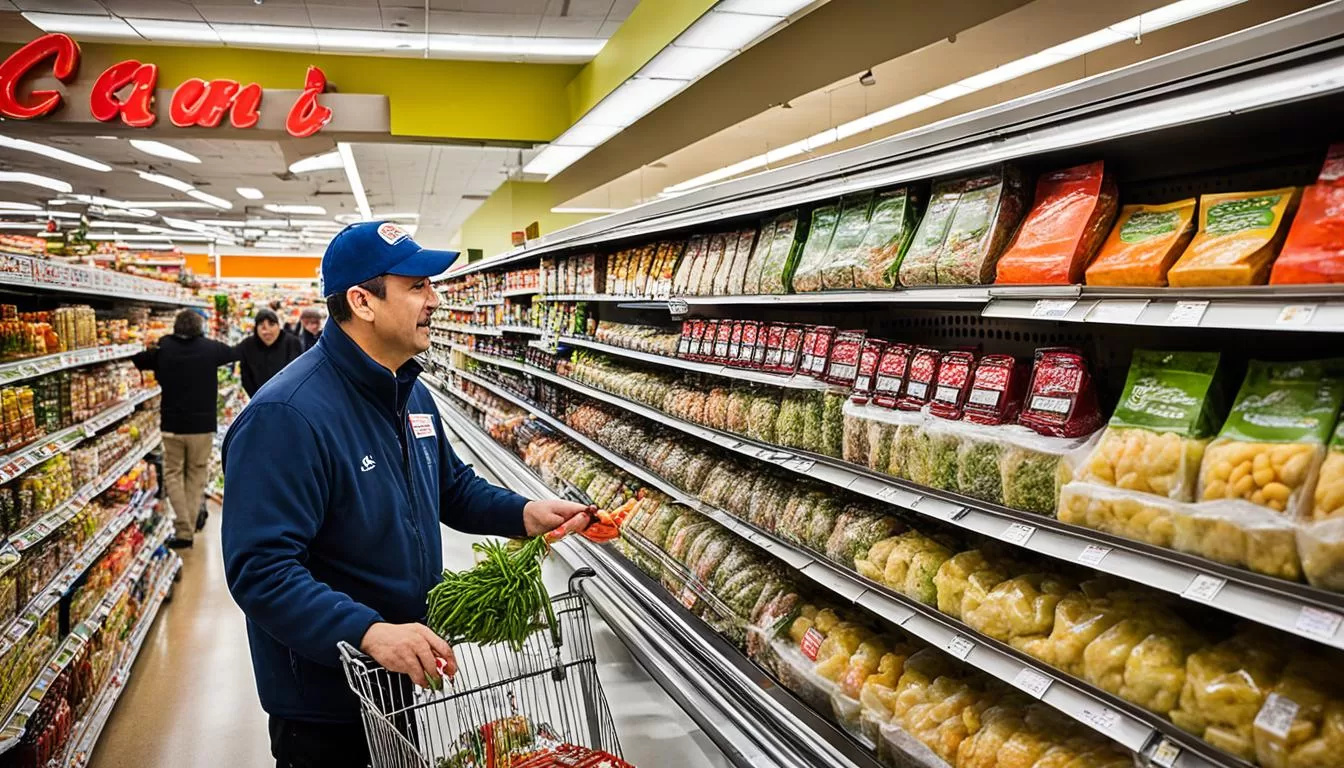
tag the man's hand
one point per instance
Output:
(410, 649)
(546, 515)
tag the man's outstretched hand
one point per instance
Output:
(411, 649)
(546, 515)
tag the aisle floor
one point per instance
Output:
(191, 700)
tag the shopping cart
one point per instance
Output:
(501, 701)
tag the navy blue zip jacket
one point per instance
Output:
(336, 477)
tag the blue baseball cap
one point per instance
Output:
(371, 248)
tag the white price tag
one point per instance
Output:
(960, 647)
(1166, 753)
(1032, 682)
(1277, 715)
(1052, 404)
(1204, 588)
(1052, 309)
(1093, 554)
(986, 397)
(1295, 314)
(1117, 311)
(1018, 533)
(800, 464)
(1104, 719)
(888, 493)
(1187, 313)
(1317, 622)
(677, 306)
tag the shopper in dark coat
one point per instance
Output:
(184, 364)
(266, 351)
(310, 327)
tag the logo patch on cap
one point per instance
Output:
(391, 233)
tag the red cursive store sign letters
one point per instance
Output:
(125, 91)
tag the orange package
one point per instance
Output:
(1239, 234)
(1073, 210)
(1314, 251)
(1143, 244)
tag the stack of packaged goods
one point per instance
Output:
(572, 275)
(641, 338)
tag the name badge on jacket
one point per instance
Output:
(422, 425)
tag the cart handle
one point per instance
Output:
(580, 573)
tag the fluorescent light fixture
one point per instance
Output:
(368, 40)
(632, 100)
(160, 31)
(268, 222)
(82, 25)
(36, 180)
(582, 209)
(399, 215)
(554, 159)
(267, 36)
(159, 149)
(124, 225)
(249, 193)
(99, 236)
(277, 244)
(729, 31)
(61, 214)
(786, 151)
(578, 49)
(205, 197)
(819, 140)
(167, 181)
(328, 161)
(168, 205)
(218, 222)
(583, 135)
(308, 210)
(22, 226)
(23, 145)
(743, 166)
(779, 8)
(356, 184)
(677, 62)
(6, 206)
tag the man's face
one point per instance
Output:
(402, 319)
(268, 331)
(312, 324)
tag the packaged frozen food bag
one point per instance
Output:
(1032, 467)
(691, 266)
(1301, 723)
(1226, 687)
(1273, 442)
(842, 365)
(816, 350)
(1138, 516)
(777, 269)
(920, 264)
(1155, 439)
(807, 276)
(890, 377)
(920, 376)
(864, 380)
(751, 279)
(1321, 541)
(791, 351)
(1143, 657)
(719, 286)
(671, 261)
(979, 454)
(737, 273)
(1239, 235)
(1314, 250)
(952, 385)
(1145, 241)
(891, 227)
(997, 388)
(713, 257)
(1061, 400)
(1072, 212)
(987, 213)
(837, 271)
(1238, 533)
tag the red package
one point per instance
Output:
(774, 346)
(815, 354)
(734, 343)
(890, 377)
(1072, 213)
(791, 352)
(1314, 250)
(698, 332)
(762, 338)
(723, 335)
(842, 364)
(919, 378)
(687, 333)
(869, 357)
(1061, 400)
(1332, 171)
(746, 350)
(952, 385)
(996, 390)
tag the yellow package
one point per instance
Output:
(1239, 235)
(1226, 685)
(1143, 244)
(1301, 724)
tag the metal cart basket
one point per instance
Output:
(501, 700)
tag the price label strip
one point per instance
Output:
(1032, 682)
(960, 647)
(1093, 554)
(1318, 623)
(1187, 314)
(1204, 588)
(1018, 534)
(1052, 309)
(1101, 718)
(1165, 754)
(1277, 715)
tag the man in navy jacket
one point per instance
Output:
(337, 476)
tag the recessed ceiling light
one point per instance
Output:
(249, 193)
(205, 197)
(328, 161)
(23, 145)
(159, 149)
(167, 181)
(309, 210)
(36, 180)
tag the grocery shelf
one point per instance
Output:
(479, 330)
(18, 370)
(1311, 613)
(512, 292)
(459, 307)
(753, 720)
(84, 735)
(12, 728)
(17, 462)
(744, 374)
(1112, 717)
(502, 362)
(23, 271)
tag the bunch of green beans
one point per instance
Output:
(499, 600)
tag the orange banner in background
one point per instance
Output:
(256, 267)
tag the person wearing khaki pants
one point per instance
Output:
(186, 462)
(184, 363)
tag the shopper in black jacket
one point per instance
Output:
(310, 327)
(266, 351)
(184, 364)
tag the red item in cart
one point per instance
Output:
(890, 377)
(996, 390)
(842, 364)
(952, 385)
(723, 334)
(1072, 213)
(1061, 400)
(816, 354)
(919, 379)
(791, 353)
(734, 343)
(746, 351)
(869, 357)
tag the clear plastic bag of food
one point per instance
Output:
(777, 268)
(1239, 235)
(1032, 468)
(760, 252)
(1301, 723)
(1138, 516)
(855, 533)
(896, 748)
(737, 274)
(832, 424)
(979, 456)
(891, 227)
(1273, 442)
(856, 429)
(1321, 547)
(762, 417)
(1019, 608)
(1239, 533)
(1142, 657)
(910, 566)
(920, 264)
(807, 275)
(837, 271)
(1226, 687)
(1072, 211)
(987, 213)
(933, 462)
(973, 572)
(1328, 502)
(1145, 241)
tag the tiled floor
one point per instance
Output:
(191, 700)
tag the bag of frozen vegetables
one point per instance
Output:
(751, 279)
(807, 276)
(837, 271)
(777, 268)
(891, 227)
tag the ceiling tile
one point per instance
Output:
(465, 23)
(621, 10)
(559, 26)
(532, 7)
(608, 29)
(583, 9)
(62, 6)
(175, 10)
(235, 13)
(344, 17)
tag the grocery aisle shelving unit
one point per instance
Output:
(1155, 121)
(28, 273)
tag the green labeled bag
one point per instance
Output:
(837, 271)
(807, 277)
(890, 230)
